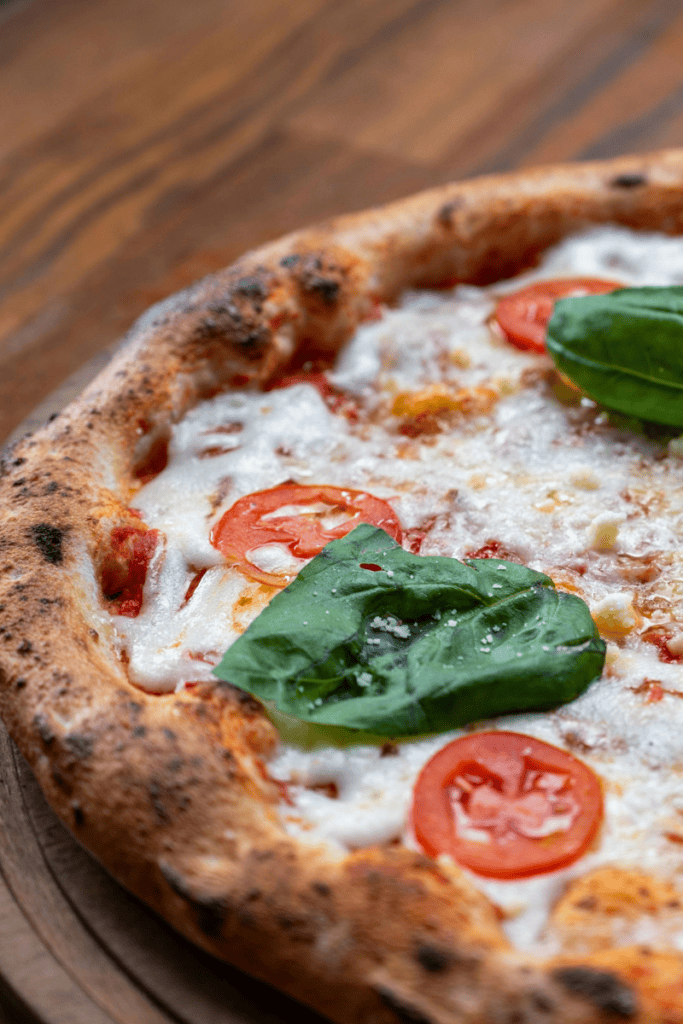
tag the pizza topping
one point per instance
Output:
(454, 492)
(372, 637)
(300, 518)
(624, 350)
(523, 316)
(124, 568)
(506, 805)
(315, 378)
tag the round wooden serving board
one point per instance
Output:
(76, 948)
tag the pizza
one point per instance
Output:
(342, 615)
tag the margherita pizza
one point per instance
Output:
(342, 615)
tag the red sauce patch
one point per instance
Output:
(659, 637)
(124, 568)
(491, 549)
(194, 583)
(154, 462)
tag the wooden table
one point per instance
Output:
(144, 144)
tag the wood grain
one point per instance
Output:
(146, 144)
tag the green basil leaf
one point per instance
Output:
(418, 645)
(624, 349)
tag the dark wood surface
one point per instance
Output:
(143, 144)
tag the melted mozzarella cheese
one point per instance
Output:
(539, 471)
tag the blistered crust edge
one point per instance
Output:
(166, 791)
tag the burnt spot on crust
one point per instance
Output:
(48, 539)
(320, 278)
(541, 1002)
(80, 745)
(155, 791)
(444, 215)
(252, 286)
(44, 729)
(25, 647)
(403, 1011)
(628, 181)
(79, 817)
(290, 261)
(432, 958)
(602, 989)
(238, 325)
(210, 911)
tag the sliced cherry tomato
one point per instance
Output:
(506, 805)
(124, 568)
(523, 316)
(250, 524)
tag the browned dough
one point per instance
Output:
(166, 790)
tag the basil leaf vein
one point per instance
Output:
(425, 644)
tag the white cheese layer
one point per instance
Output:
(537, 471)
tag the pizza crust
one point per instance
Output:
(166, 790)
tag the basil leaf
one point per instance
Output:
(420, 645)
(624, 349)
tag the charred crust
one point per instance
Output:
(322, 889)
(320, 278)
(44, 729)
(48, 539)
(210, 911)
(249, 704)
(242, 328)
(433, 959)
(604, 990)
(80, 745)
(253, 287)
(154, 790)
(139, 731)
(628, 181)
(290, 261)
(20, 684)
(60, 781)
(79, 817)
(444, 215)
(541, 1002)
(169, 734)
(25, 647)
(402, 1010)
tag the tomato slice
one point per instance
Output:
(253, 522)
(523, 316)
(124, 568)
(506, 805)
